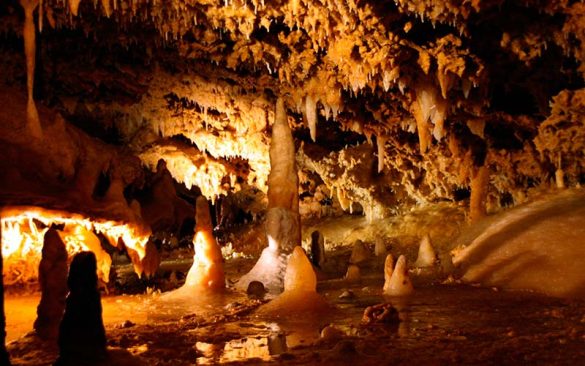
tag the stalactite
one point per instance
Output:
(74, 6)
(422, 127)
(107, 7)
(381, 142)
(32, 115)
(311, 113)
(479, 189)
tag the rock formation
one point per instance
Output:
(206, 273)
(300, 289)
(536, 246)
(53, 283)
(426, 253)
(82, 338)
(399, 283)
(282, 217)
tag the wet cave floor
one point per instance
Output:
(440, 325)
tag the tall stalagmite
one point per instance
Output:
(207, 269)
(53, 282)
(282, 225)
(82, 337)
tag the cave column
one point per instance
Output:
(283, 228)
(479, 189)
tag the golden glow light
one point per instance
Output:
(22, 239)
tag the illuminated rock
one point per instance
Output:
(84, 239)
(426, 253)
(380, 248)
(53, 283)
(353, 274)
(82, 336)
(282, 223)
(399, 284)
(206, 273)
(388, 270)
(300, 289)
(537, 246)
(29, 32)
(360, 253)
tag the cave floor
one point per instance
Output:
(441, 324)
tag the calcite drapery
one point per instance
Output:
(282, 218)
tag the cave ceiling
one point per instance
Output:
(391, 102)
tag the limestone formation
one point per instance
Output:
(353, 274)
(380, 248)
(82, 338)
(388, 271)
(399, 284)
(300, 289)
(359, 253)
(53, 283)
(426, 253)
(206, 273)
(282, 223)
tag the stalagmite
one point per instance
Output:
(399, 284)
(360, 253)
(300, 288)
(479, 189)
(381, 141)
(311, 112)
(380, 247)
(282, 225)
(317, 249)
(353, 274)
(388, 270)
(82, 337)
(426, 254)
(32, 115)
(207, 269)
(53, 283)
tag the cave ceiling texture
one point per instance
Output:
(392, 103)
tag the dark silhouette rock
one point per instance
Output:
(82, 337)
(53, 283)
